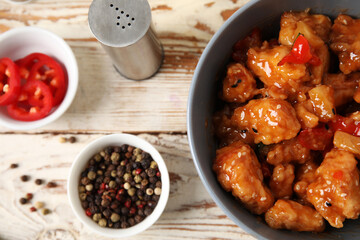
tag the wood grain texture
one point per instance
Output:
(106, 101)
(189, 214)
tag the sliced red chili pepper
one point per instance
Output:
(25, 111)
(300, 53)
(25, 64)
(315, 138)
(345, 124)
(51, 73)
(10, 86)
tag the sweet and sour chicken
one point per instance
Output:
(288, 124)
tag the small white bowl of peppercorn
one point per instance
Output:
(118, 185)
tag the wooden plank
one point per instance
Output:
(189, 214)
(105, 100)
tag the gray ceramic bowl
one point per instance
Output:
(266, 15)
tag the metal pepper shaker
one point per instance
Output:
(123, 27)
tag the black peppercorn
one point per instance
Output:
(38, 181)
(106, 213)
(24, 178)
(147, 211)
(23, 200)
(14, 165)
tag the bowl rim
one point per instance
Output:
(200, 65)
(71, 89)
(81, 159)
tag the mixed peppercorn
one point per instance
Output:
(120, 186)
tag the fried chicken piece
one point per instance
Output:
(226, 131)
(305, 114)
(263, 62)
(322, 100)
(318, 71)
(305, 175)
(290, 151)
(344, 86)
(270, 120)
(335, 193)
(287, 214)
(314, 27)
(345, 42)
(238, 171)
(239, 85)
(281, 182)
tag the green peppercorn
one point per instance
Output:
(127, 176)
(81, 189)
(153, 164)
(45, 211)
(102, 222)
(89, 187)
(91, 175)
(127, 185)
(82, 196)
(113, 173)
(137, 178)
(138, 158)
(115, 157)
(131, 192)
(115, 217)
(123, 163)
(97, 157)
(97, 217)
(112, 184)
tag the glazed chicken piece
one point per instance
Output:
(269, 120)
(305, 175)
(281, 182)
(226, 131)
(238, 171)
(345, 41)
(287, 214)
(335, 193)
(323, 103)
(318, 72)
(290, 151)
(315, 28)
(345, 86)
(288, 78)
(305, 114)
(239, 85)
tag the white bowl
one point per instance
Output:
(79, 165)
(19, 42)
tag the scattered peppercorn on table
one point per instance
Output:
(35, 164)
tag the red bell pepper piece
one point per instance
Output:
(318, 138)
(345, 124)
(300, 53)
(10, 86)
(32, 91)
(50, 72)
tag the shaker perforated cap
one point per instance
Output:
(123, 27)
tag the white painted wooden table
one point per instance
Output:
(107, 103)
